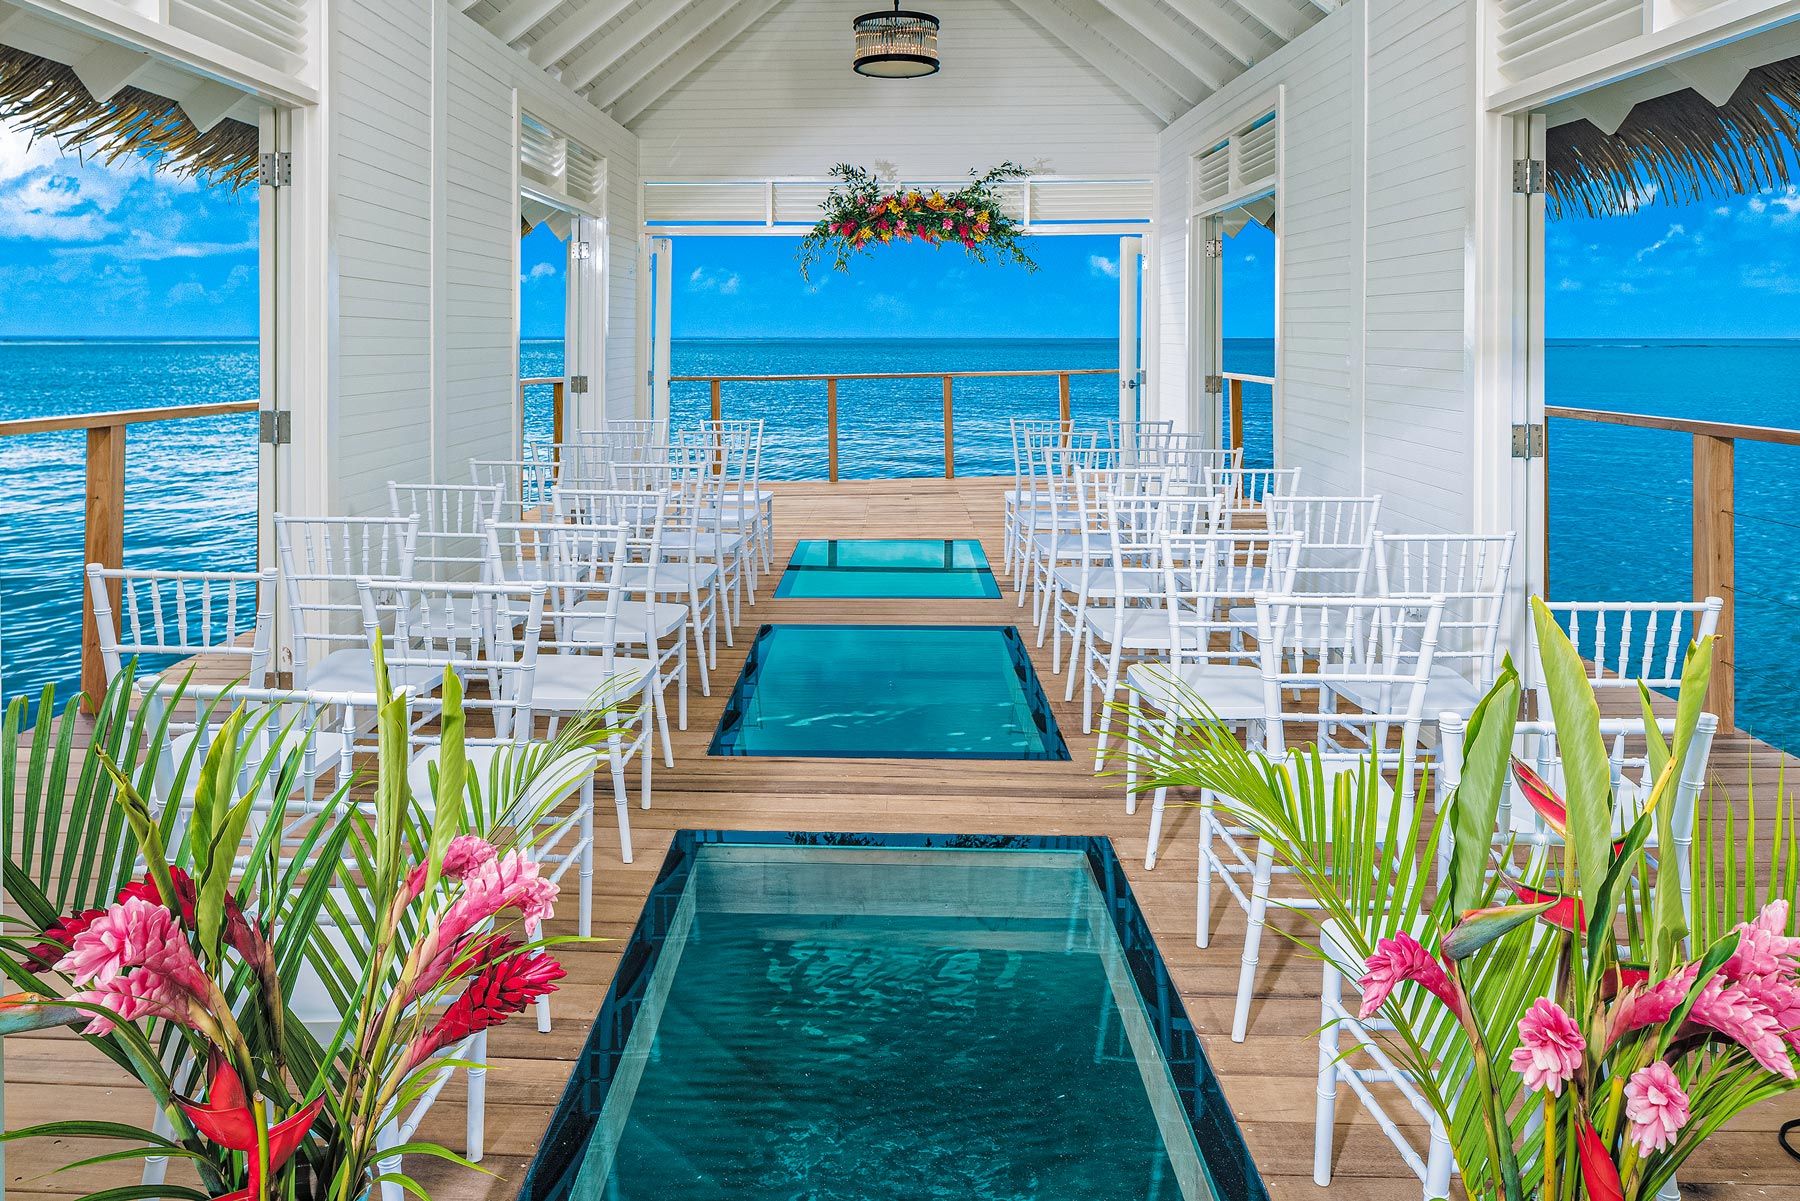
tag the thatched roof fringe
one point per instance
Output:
(48, 99)
(1683, 146)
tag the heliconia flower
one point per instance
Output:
(1566, 913)
(1400, 958)
(144, 993)
(1764, 945)
(465, 853)
(1641, 1005)
(1741, 1016)
(502, 988)
(1542, 797)
(1550, 1047)
(59, 936)
(1655, 1106)
(134, 933)
(225, 1117)
(1598, 1171)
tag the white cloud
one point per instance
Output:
(724, 283)
(1569, 285)
(141, 246)
(1099, 264)
(538, 271)
(1675, 232)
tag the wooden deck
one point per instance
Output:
(1269, 1079)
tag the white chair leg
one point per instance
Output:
(681, 680)
(1439, 1161)
(584, 921)
(1157, 799)
(1203, 902)
(475, 1135)
(646, 759)
(1325, 1105)
(389, 1136)
(1131, 733)
(156, 1167)
(1108, 690)
(1253, 935)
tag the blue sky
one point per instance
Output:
(95, 250)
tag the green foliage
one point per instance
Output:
(862, 212)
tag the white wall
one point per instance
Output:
(423, 227)
(784, 101)
(1378, 125)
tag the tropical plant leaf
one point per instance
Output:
(1487, 755)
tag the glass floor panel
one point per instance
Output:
(848, 568)
(889, 692)
(845, 1017)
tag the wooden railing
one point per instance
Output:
(716, 384)
(103, 540)
(1234, 396)
(1714, 516)
(558, 388)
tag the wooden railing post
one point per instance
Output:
(1715, 572)
(1062, 403)
(949, 430)
(104, 543)
(1237, 412)
(718, 409)
(831, 430)
(556, 426)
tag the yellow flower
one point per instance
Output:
(936, 201)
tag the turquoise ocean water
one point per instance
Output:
(1619, 498)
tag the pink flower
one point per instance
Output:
(465, 853)
(1740, 1013)
(1550, 1047)
(144, 993)
(1764, 946)
(1655, 1106)
(134, 933)
(1400, 958)
(1652, 1005)
(509, 882)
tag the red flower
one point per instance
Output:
(226, 1118)
(240, 933)
(1566, 914)
(1598, 1171)
(503, 987)
(59, 936)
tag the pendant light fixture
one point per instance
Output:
(901, 44)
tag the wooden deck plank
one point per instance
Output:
(1269, 1080)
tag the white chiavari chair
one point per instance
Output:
(1029, 436)
(1470, 571)
(1246, 491)
(322, 558)
(1124, 438)
(1087, 576)
(1379, 648)
(749, 507)
(1057, 537)
(682, 572)
(452, 523)
(1209, 672)
(1624, 642)
(525, 483)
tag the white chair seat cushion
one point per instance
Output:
(1102, 581)
(551, 781)
(667, 578)
(1233, 693)
(353, 670)
(664, 618)
(1134, 629)
(566, 683)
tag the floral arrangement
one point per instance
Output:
(1566, 1057)
(186, 977)
(865, 211)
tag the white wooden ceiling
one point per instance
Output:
(1167, 55)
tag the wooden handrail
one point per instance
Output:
(1714, 522)
(1247, 378)
(103, 537)
(831, 379)
(558, 385)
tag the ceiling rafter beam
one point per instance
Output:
(1221, 21)
(582, 24)
(1156, 97)
(1213, 69)
(521, 17)
(632, 36)
(703, 32)
(108, 67)
(207, 103)
(1283, 18)
(1150, 57)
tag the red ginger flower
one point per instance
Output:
(502, 988)
(226, 1118)
(59, 936)
(1598, 1171)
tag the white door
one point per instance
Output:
(655, 291)
(1131, 329)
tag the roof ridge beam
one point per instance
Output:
(629, 38)
(582, 24)
(1213, 69)
(706, 31)
(1152, 94)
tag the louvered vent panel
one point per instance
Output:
(1212, 175)
(799, 203)
(1076, 200)
(706, 202)
(269, 31)
(1538, 35)
(1256, 154)
(585, 174)
(560, 170)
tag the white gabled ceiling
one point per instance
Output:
(1167, 55)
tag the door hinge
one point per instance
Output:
(1528, 176)
(1215, 384)
(1215, 247)
(277, 170)
(584, 250)
(578, 385)
(1528, 441)
(277, 427)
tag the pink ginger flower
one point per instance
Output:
(141, 994)
(509, 882)
(1780, 995)
(465, 853)
(1764, 946)
(1655, 1107)
(1651, 1005)
(1739, 1013)
(135, 933)
(1550, 1047)
(1401, 958)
